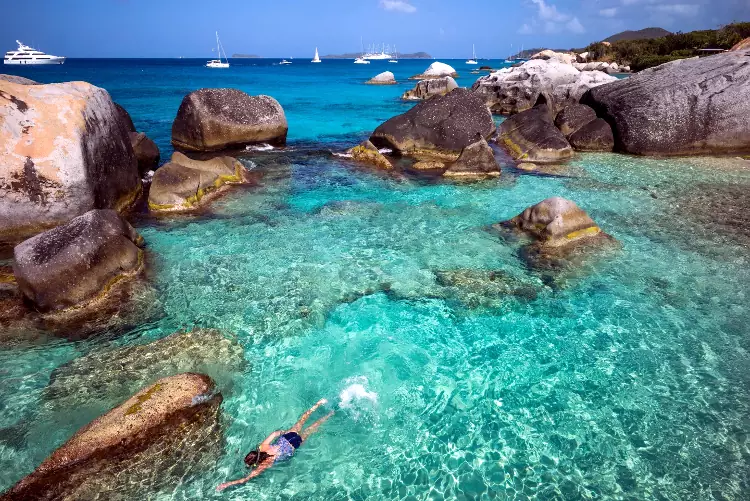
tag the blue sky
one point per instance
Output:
(284, 28)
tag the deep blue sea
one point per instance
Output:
(625, 378)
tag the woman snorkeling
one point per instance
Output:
(279, 446)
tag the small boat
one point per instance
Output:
(316, 59)
(473, 59)
(395, 55)
(26, 55)
(218, 63)
(284, 61)
(361, 59)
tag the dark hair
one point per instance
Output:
(255, 457)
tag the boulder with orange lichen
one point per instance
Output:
(64, 150)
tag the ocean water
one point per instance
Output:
(627, 377)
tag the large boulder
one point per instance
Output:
(475, 161)
(367, 153)
(436, 70)
(516, 89)
(103, 375)
(562, 57)
(573, 117)
(439, 127)
(164, 433)
(63, 151)
(125, 117)
(429, 88)
(17, 80)
(217, 119)
(185, 183)
(530, 136)
(385, 78)
(594, 136)
(685, 107)
(146, 152)
(77, 262)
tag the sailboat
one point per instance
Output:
(316, 59)
(361, 59)
(217, 63)
(473, 59)
(395, 55)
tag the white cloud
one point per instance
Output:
(551, 20)
(679, 9)
(398, 6)
(611, 12)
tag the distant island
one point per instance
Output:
(245, 56)
(354, 55)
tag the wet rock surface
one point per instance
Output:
(475, 161)
(146, 152)
(367, 153)
(150, 442)
(594, 136)
(77, 262)
(431, 87)
(685, 107)
(185, 183)
(439, 127)
(64, 151)
(573, 117)
(217, 119)
(530, 136)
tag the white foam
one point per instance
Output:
(259, 147)
(385, 151)
(342, 155)
(356, 398)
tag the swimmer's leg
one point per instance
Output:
(304, 417)
(314, 427)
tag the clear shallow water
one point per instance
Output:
(627, 381)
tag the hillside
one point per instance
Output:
(644, 34)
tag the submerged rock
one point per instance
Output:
(369, 154)
(385, 78)
(106, 375)
(77, 262)
(63, 151)
(154, 440)
(594, 136)
(184, 183)
(530, 136)
(217, 119)
(440, 127)
(573, 117)
(516, 89)
(146, 152)
(436, 70)
(485, 288)
(431, 87)
(475, 161)
(685, 107)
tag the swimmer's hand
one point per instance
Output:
(223, 486)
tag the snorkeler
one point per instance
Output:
(268, 453)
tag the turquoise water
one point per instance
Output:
(627, 378)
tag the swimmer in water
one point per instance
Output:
(279, 446)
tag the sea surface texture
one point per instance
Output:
(456, 370)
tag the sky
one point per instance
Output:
(293, 28)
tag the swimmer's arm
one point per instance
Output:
(260, 469)
(270, 438)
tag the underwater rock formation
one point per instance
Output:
(185, 183)
(151, 441)
(64, 150)
(77, 262)
(217, 119)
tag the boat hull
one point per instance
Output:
(35, 62)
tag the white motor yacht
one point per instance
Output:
(218, 63)
(27, 55)
(284, 61)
